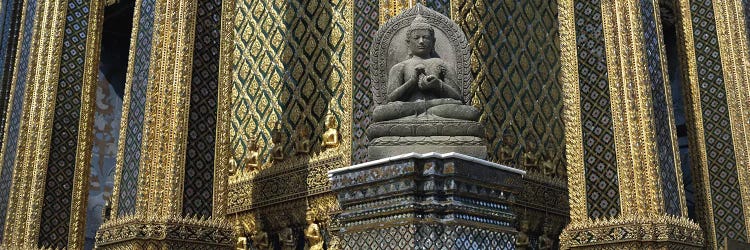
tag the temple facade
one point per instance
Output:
(213, 124)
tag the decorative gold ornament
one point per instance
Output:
(522, 241)
(331, 137)
(240, 232)
(312, 232)
(286, 237)
(302, 140)
(506, 151)
(545, 242)
(549, 168)
(260, 237)
(252, 160)
(531, 158)
(277, 153)
(232, 167)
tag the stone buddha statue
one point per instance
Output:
(421, 84)
(424, 85)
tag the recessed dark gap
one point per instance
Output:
(678, 101)
(113, 66)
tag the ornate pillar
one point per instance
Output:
(714, 59)
(47, 148)
(10, 11)
(10, 24)
(623, 170)
(171, 170)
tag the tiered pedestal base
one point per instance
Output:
(427, 201)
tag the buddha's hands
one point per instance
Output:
(429, 82)
(418, 73)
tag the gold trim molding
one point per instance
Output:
(630, 232)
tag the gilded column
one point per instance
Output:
(171, 170)
(10, 24)
(54, 100)
(623, 169)
(12, 122)
(714, 56)
(10, 11)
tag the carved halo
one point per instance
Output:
(450, 44)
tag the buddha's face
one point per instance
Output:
(421, 42)
(331, 121)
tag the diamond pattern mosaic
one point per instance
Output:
(201, 145)
(55, 220)
(661, 111)
(134, 133)
(515, 64)
(365, 28)
(14, 124)
(725, 198)
(442, 6)
(431, 236)
(292, 68)
(602, 186)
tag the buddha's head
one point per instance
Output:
(420, 37)
(309, 216)
(331, 121)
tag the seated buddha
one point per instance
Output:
(331, 135)
(421, 84)
(302, 145)
(424, 85)
(252, 159)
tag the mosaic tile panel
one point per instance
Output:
(291, 68)
(516, 65)
(13, 126)
(58, 188)
(724, 196)
(201, 144)
(602, 186)
(365, 28)
(442, 6)
(9, 24)
(136, 113)
(428, 236)
(664, 143)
